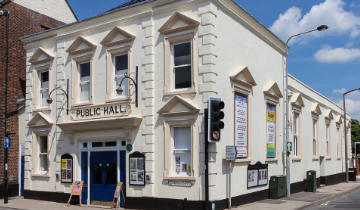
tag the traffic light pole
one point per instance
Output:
(206, 144)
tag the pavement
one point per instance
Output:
(28, 204)
(307, 200)
(338, 196)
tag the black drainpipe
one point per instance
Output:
(6, 13)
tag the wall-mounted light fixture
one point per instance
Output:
(49, 100)
(120, 90)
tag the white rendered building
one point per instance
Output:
(185, 51)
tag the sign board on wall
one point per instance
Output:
(270, 130)
(66, 168)
(137, 168)
(241, 125)
(100, 111)
(257, 175)
(230, 153)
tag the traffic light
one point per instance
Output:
(215, 116)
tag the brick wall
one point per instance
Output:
(23, 21)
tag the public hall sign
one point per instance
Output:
(100, 111)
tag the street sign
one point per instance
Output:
(230, 153)
(289, 146)
(7, 142)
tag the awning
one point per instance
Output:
(101, 124)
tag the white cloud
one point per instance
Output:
(329, 12)
(352, 103)
(336, 55)
(341, 91)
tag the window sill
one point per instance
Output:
(296, 159)
(124, 99)
(184, 92)
(182, 178)
(339, 158)
(243, 160)
(36, 175)
(328, 158)
(315, 159)
(45, 109)
(271, 160)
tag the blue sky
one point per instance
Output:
(327, 61)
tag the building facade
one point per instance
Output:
(24, 19)
(178, 54)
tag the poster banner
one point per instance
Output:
(270, 130)
(241, 125)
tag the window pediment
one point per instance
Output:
(297, 100)
(177, 105)
(40, 120)
(339, 119)
(178, 22)
(272, 89)
(117, 36)
(243, 76)
(81, 45)
(40, 56)
(329, 115)
(315, 109)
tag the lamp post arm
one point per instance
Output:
(306, 32)
(127, 77)
(135, 83)
(347, 92)
(65, 92)
(58, 88)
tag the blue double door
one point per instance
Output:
(103, 175)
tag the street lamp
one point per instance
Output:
(49, 100)
(345, 133)
(286, 136)
(6, 13)
(120, 90)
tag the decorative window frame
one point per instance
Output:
(328, 117)
(115, 47)
(36, 87)
(110, 66)
(315, 118)
(328, 149)
(41, 61)
(35, 152)
(338, 146)
(168, 42)
(242, 82)
(272, 95)
(296, 110)
(75, 98)
(173, 34)
(168, 124)
(277, 138)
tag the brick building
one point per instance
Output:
(25, 18)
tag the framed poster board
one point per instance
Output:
(241, 125)
(257, 175)
(137, 169)
(66, 168)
